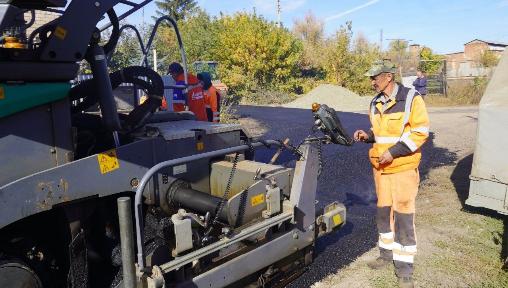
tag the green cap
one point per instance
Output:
(381, 66)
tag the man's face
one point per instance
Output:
(380, 81)
(173, 74)
(419, 73)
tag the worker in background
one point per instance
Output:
(400, 125)
(420, 83)
(212, 97)
(195, 95)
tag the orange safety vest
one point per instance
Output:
(403, 120)
(212, 102)
(195, 97)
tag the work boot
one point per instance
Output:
(406, 282)
(378, 263)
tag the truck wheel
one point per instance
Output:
(18, 275)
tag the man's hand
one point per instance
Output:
(386, 158)
(360, 135)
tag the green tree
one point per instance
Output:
(348, 59)
(127, 51)
(254, 53)
(398, 53)
(363, 54)
(176, 9)
(488, 59)
(430, 63)
(338, 57)
(310, 31)
(199, 34)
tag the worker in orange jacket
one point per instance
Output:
(400, 126)
(195, 96)
(212, 97)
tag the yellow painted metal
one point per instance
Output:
(258, 199)
(108, 161)
(244, 176)
(13, 43)
(337, 219)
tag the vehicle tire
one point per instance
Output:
(15, 274)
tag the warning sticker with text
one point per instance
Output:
(108, 161)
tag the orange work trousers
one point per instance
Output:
(396, 194)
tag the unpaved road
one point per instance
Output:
(347, 175)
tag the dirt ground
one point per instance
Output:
(457, 246)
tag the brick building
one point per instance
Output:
(466, 64)
(41, 18)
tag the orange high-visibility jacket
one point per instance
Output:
(212, 102)
(401, 128)
(195, 97)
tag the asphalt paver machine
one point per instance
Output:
(138, 198)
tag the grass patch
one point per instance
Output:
(438, 100)
(385, 280)
(455, 248)
(462, 248)
(460, 93)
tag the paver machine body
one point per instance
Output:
(205, 214)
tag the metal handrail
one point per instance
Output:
(140, 41)
(180, 45)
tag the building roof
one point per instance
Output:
(461, 52)
(489, 43)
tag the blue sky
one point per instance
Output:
(442, 25)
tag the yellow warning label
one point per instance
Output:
(108, 161)
(258, 199)
(200, 146)
(2, 93)
(60, 32)
(337, 219)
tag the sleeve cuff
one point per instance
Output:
(371, 138)
(400, 149)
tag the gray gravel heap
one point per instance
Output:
(336, 97)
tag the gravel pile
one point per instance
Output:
(336, 97)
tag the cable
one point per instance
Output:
(225, 196)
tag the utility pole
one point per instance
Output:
(381, 40)
(279, 12)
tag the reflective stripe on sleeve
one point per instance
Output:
(422, 129)
(386, 140)
(178, 101)
(410, 143)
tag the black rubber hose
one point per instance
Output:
(198, 201)
(115, 33)
(133, 74)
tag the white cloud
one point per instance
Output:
(341, 14)
(269, 6)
